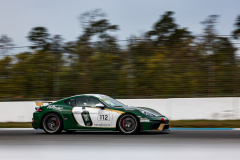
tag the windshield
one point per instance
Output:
(111, 102)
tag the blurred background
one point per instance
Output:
(167, 61)
(181, 58)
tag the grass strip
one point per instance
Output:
(16, 125)
(173, 124)
(205, 124)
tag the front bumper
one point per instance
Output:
(158, 126)
(154, 126)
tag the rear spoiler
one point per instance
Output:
(41, 103)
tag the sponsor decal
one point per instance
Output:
(144, 120)
(102, 125)
(86, 118)
(54, 107)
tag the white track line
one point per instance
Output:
(236, 129)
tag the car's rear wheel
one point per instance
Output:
(52, 123)
(128, 124)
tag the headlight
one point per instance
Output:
(145, 112)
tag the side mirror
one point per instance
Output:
(99, 105)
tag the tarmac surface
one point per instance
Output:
(35, 144)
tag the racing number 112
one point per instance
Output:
(104, 117)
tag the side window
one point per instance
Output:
(70, 102)
(83, 101)
(94, 101)
(86, 101)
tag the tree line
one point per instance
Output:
(167, 61)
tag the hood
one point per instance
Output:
(131, 108)
(151, 110)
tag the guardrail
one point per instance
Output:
(173, 108)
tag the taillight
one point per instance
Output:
(163, 120)
(39, 110)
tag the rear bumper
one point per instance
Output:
(34, 126)
(36, 120)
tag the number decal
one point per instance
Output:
(103, 115)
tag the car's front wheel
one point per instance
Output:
(128, 124)
(52, 123)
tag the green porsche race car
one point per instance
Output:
(96, 112)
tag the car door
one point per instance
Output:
(86, 114)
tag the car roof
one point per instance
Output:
(95, 95)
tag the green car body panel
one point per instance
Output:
(71, 122)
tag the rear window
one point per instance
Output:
(70, 102)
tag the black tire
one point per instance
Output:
(128, 124)
(52, 123)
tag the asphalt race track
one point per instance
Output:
(196, 145)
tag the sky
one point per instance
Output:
(18, 17)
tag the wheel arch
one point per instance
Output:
(59, 114)
(117, 129)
